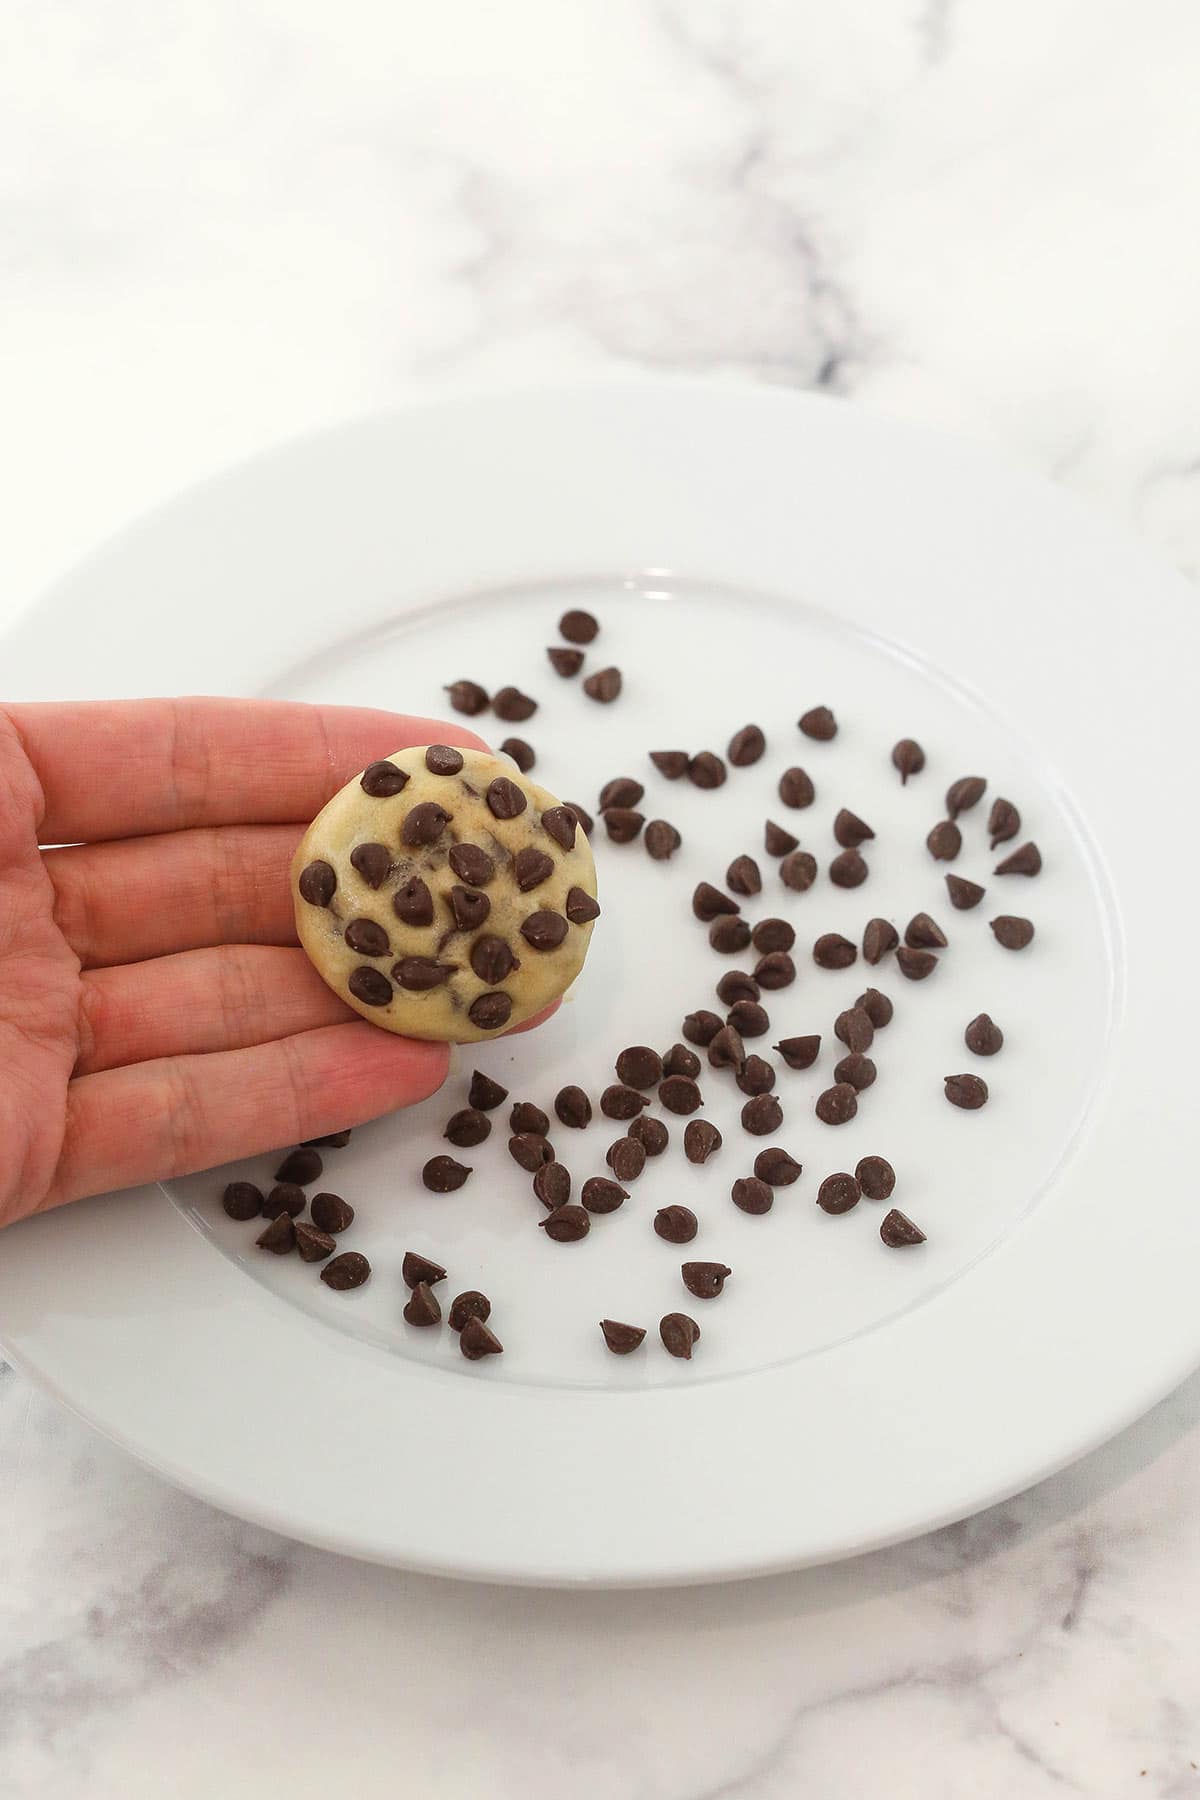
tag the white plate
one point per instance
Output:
(750, 554)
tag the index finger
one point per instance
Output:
(125, 768)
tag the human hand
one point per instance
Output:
(156, 1013)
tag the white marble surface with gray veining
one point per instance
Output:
(220, 225)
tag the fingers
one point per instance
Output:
(200, 1002)
(115, 769)
(155, 1120)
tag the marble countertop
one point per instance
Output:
(225, 224)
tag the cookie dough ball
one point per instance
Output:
(442, 895)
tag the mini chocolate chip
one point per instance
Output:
(751, 1194)
(349, 1270)
(726, 1049)
(850, 831)
(564, 662)
(671, 763)
(944, 841)
(855, 1028)
(424, 824)
(856, 1069)
(412, 902)
(775, 970)
(1025, 861)
(544, 930)
(566, 1224)
(915, 964)
(964, 793)
(424, 1307)
(622, 790)
(578, 627)
(622, 823)
(561, 823)
(661, 839)
(749, 1019)
(604, 686)
(706, 770)
(679, 1060)
(621, 1339)
(531, 867)
(756, 1076)
(701, 1027)
(318, 883)
(908, 757)
(477, 1340)
(373, 862)
(470, 864)
(335, 1140)
(701, 1139)
(837, 1105)
(301, 1166)
(796, 788)
(484, 1093)
(314, 1245)
(442, 1175)
(798, 871)
(848, 869)
(705, 1279)
(420, 973)
(876, 1177)
(530, 1149)
(898, 1231)
(679, 1094)
(963, 894)
(746, 746)
(650, 1133)
(799, 1052)
(677, 1224)
(923, 933)
(879, 938)
(728, 935)
(737, 984)
(492, 960)
(743, 876)
(776, 1167)
(511, 705)
(470, 1304)
(466, 1128)
(769, 935)
(572, 1107)
(710, 903)
(762, 1115)
(583, 817)
(968, 1091)
(505, 799)
(838, 1193)
(552, 1185)
(621, 1102)
(284, 1197)
(523, 754)
(678, 1334)
(639, 1066)
(877, 1007)
(833, 951)
(470, 908)
(242, 1200)
(370, 986)
(280, 1235)
(626, 1157)
(1004, 822)
(600, 1195)
(818, 722)
(983, 1035)
(443, 759)
(416, 1269)
(777, 841)
(581, 906)
(467, 697)
(329, 1212)
(1012, 932)
(525, 1116)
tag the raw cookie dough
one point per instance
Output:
(442, 894)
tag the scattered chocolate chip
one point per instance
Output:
(743, 876)
(318, 883)
(313, 1244)
(477, 1340)
(552, 1185)
(467, 1128)
(470, 1304)
(522, 754)
(511, 705)
(242, 1200)
(412, 902)
(679, 1060)
(370, 986)
(671, 763)
(833, 951)
(728, 935)
(678, 1334)
(799, 1052)
(467, 697)
(661, 839)
(777, 841)
(300, 1166)
(746, 746)
(470, 864)
(963, 894)
(564, 662)
(442, 759)
(701, 1139)
(677, 1224)
(373, 862)
(284, 1197)
(706, 770)
(469, 907)
(726, 1049)
(566, 1224)
(420, 973)
(626, 1157)
(737, 985)
(280, 1235)
(505, 799)
(908, 757)
(572, 1107)
(531, 867)
(442, 1175)
(967, 1091)
(915, 964)
(492, 960)
(622, 790)
(923, 933)
(850, 831)
(749, 1019)
(876, 1177)
(417, 1268)
(349, 1270)
(530, 1149)
(424, 824)
(856, 1069)
(639, 1066)
(578, 627)
(423, 1306)
(622, 824)
(329, 1212)
(762, 1115)
(701, 1027)
(705, 1279)
(650, 1133)
(1004, 822)
(877, 1007)
(963, 794)
(756, 1076)
(775, 970)
(621, 1339)
(544, 930)
(769, 935)
(583, 817)
(983, 1036)
(525, 1116)
(798, 871)
(485, 1094)
(1012, 932)
(897, 1231)
(838, 1193)
(776, 1167)
(796, 788)
(944, 841)
(818, 722)
(848, 869)
(561, 823)
(879, 938)
(581, 906)
(622, 1102)
(1025, 861)
(855, 1028)
(600, 1195)
(837, 1105)
(604, 686)
(679, 1094)
(751, 1194)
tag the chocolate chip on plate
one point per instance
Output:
(622, 823)
(837, 1105)
(677, 1224)
(572, 1107)
(908, 758)
(544, 930)
(242, 1200)
(799, 1052)
(639, 1066)
(529, 1149)
(621, 1102)
(566, 1224)
(416, 1268)
(728, 935)
(661, 840)
(626, 1157)
(777, 1167)
(300, 1166)
(849, 830)
(701, 1139)
(877, 1007)
(967, 1091)
(583, 817)
(964, 793)
(329, 1212)
(751, 1194)
(477, 1340)
(708, 902)
(798, 871)
(679, 1094)
(706, 770)
(944, 841)
(795, 788)
(600, 1195)
(280, 1235)
(552, 1185)
(705, 1279)
(505, 800)
(604, 686)
(470, 864)
(383, 779)
(511, 705)
(833, 951)
(318, 883)
(838, 1193)
(746, 746)
(762, 1115)
(855, 1028)
(313, 1244)
(622, 1339)
(525, 1116)
(349, 1270)
(897, 1231)
(701, 1027)
(983, 1035)
(749, 1019)
(581, 907)
(963, 894)
(523, 754)
(915, 964)
(756, 1076)
(1012, 932)
(737, 984)
(1025, 861)
(818, 722)
(879, 938)
(726, 1049)
(671, 763)
(1004, 822)
(777, 841)
(424, 824)
(678, 1334)
(622, 790)
(442, 1175)
(855, 1069)
(467, 1127)
(924, 933)
(470, 1304)
(876, 1177)
(470, 909)
(848, 869)
(468, 697)
(564, 662)
(679, 1060)
(485, 1094)
(743, 876)
(650, 1133)
(775, 970)
(578, 626)
(423, 1307)
(531, 867)
(772, 934)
